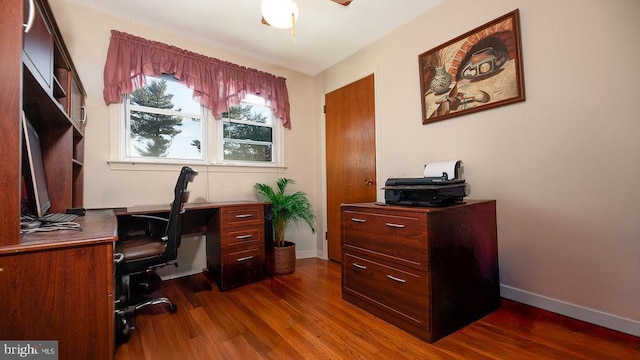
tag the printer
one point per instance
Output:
(441, 186)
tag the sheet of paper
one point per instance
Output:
(438, 168)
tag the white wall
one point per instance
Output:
(563, 165)
(86, 34)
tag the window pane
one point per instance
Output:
(154, 135)
(247, 152)
(247, 132)
(182, 98)
(249, 112)
(164, 121)
(187, 144)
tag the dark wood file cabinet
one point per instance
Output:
(429, 271)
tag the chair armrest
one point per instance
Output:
(118, 257)
(151, 217)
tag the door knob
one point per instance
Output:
(368, 182)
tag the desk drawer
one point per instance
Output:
(243, 255)
(402, 293)
(243, 215)
(242, 235)
(242, 265)
(395, 236)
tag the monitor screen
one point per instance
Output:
(33, 170)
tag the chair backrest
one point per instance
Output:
(181, 196)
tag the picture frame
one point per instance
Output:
(478, 70)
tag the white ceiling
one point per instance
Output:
(326, 32)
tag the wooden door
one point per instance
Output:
(351, 153)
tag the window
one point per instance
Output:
(164, 122)
(161, 124)
(247, 133)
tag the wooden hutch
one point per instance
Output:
(56, 285)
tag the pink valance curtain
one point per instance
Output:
(216, 84)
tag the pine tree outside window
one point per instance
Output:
(164, 122)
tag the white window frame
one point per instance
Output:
(276, 144)
(126, 151)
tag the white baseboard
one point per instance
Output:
(592, 316)
(306, 254)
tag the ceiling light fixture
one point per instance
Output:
(281, 14)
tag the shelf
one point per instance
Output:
(59, 91)
(42, 107)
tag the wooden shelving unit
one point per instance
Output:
(53, 101)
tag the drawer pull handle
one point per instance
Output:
(399, 226)
(245, 258)
(359, 266)
(396, 279)
(32, 14)
(358, 220)
(242, 237)
(242, 216)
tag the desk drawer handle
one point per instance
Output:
(242, 216)
(242, 237)
(399, 226)
(362, 267)
(245, 258)
(396, 279)
(358, 220)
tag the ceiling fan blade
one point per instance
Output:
(342, 2)
(264, 22)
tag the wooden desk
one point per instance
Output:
(59, 286)
(235, 236)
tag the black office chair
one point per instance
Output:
(147, 242)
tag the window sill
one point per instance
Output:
(122, 165)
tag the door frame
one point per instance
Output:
(377, 93)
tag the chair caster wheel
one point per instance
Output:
(173, 308)
(123, 329)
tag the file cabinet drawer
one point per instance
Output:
(398, 237)
(402, 293)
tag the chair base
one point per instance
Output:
(132, 309)
(124, 317)
(125, 311)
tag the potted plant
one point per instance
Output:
(285, 208)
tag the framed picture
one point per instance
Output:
(478, 70)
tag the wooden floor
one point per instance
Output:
(302, 316)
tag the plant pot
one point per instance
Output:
(281, 259)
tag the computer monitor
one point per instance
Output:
(33, 170)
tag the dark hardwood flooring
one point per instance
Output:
(302, 316)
